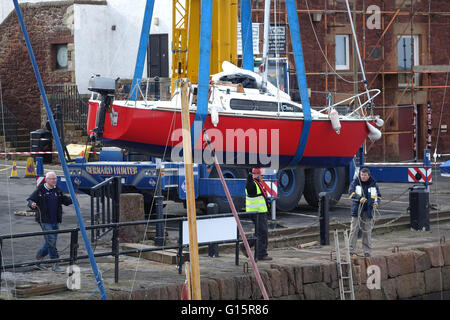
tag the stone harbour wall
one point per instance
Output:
(423, 273)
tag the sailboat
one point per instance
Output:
(251, 124)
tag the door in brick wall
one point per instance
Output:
(157, 56)
(405, 137)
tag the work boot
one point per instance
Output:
(57, 268)
(266, 258)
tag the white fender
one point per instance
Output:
(214, 116)
(379, 122)
(374, 133)
(335, 123)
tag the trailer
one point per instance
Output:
(142, 174)
(310, 182)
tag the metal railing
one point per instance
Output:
(9, 125)
(105, 206)
(74, 108)
(115, 249)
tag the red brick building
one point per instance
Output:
(48, 30)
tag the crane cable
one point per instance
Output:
(153, 201)
(8, 194)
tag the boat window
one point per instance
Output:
(241, 104)
(287, 107)
(266, 106)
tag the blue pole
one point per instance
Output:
(60, 153)
(247, 35)
(39, 166)
(143, 43)
(296, 41)
(203, 70)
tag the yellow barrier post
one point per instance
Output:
(30, 171)
(14, 171)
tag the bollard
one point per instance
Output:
(324, 207)
(274, 209)
(213, 248)
(419, 208)
(159, 237)
(73, 246)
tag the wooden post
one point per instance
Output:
(188, 279)
(190, 195)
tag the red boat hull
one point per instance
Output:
(158, 133)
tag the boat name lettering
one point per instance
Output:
(109, 170)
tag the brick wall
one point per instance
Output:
(46, 27)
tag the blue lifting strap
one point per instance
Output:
(203, 71)
(294, 28)
(143, 43)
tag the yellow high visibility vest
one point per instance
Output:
(255, 204)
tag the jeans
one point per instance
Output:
(49, 247)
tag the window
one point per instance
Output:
(250, 105)
(342, 52)
(375, 53)
(61, 57)
(240, 104)
(408, 56)
(266, 106)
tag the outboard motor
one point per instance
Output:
(106, 87)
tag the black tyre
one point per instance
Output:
(291, 183)
(222, 202)
(330, 180)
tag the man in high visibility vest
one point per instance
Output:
(256, 201)
(365, 196)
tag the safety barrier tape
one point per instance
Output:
(42, 152)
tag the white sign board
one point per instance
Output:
(255, 38)
(208, 230)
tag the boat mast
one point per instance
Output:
(358, 52)
(266, 45)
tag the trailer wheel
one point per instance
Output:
(331, 180)
(291, 183)
(222, 202)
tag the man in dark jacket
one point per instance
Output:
(47, 201)
(365, 197)
(256, 201)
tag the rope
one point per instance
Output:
(96, 289)
(7, 187)
(153, 201)
(440, 118)
(321, 50)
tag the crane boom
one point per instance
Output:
(186, 37)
